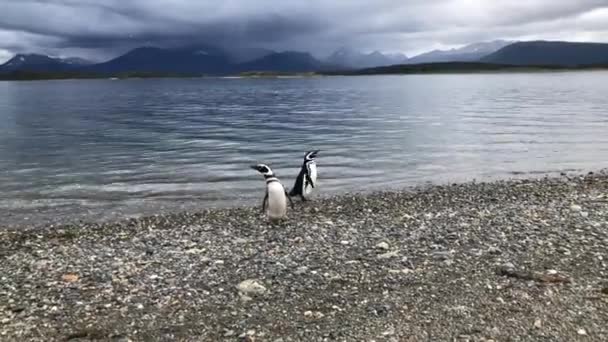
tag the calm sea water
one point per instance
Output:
(102, 148)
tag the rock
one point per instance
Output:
(344, 242)
(70, 278)
(251, 287)
(388, 255)
(301, 270)
(584, 214)
(576, 208)
(314, 314)
(389, 332)
(507, 266)
(582, 332)
(383, 246)
(494, 250)
(538, 324)
(229, 333)
(245, 298)
(442, 255)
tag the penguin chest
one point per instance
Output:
(312, 172)
(277, 202)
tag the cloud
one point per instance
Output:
(102, 29)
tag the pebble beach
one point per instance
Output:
(512, 260)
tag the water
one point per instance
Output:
(102, 148)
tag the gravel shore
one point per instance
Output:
(520, 260)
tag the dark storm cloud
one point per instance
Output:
(96, 27)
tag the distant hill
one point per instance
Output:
(550, 53)
(194, 60)
(209, 60)
(239, 55)
(288, 61)
(468, 53)
(456, 67)
(41, 63)
(353, 59)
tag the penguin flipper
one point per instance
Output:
(309, 180)
(264, 201)
(290, 200)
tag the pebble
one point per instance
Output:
(383, 246)
(494, 250)
(251, 287)
(388, 255)
(301, 270)
(576, 207)
(366, 286)
(582, 332)
(507, 266)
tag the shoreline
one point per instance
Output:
(439, 68)
(42, 220)
(522, 259)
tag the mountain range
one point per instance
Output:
(210, 60)
(469, 53)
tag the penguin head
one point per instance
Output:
(263, 169)
(311, 155)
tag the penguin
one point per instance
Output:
(307, 178)
(275, 200)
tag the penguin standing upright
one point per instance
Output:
(307, 178)
(275, 200)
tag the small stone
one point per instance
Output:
(582, 332)
(383, 246)
(229, 333)
(245, 298)
(344, 242)
(70, 278)
(584, 214)
(576, 208)
(139, 306)
(388, 255)
(251, 286)
(507, 266)
(441, 255)
(219, 262)
(314, 314)
(494, 250)
(538, 324)
(301, 270)
(389, 332)
(240, 241)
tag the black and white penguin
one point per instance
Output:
(275, 200)
(307, 178)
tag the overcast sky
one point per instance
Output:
(91, 29)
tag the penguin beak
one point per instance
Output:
(255, 167)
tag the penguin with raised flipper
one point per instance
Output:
(275, 201)
(307, 178)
